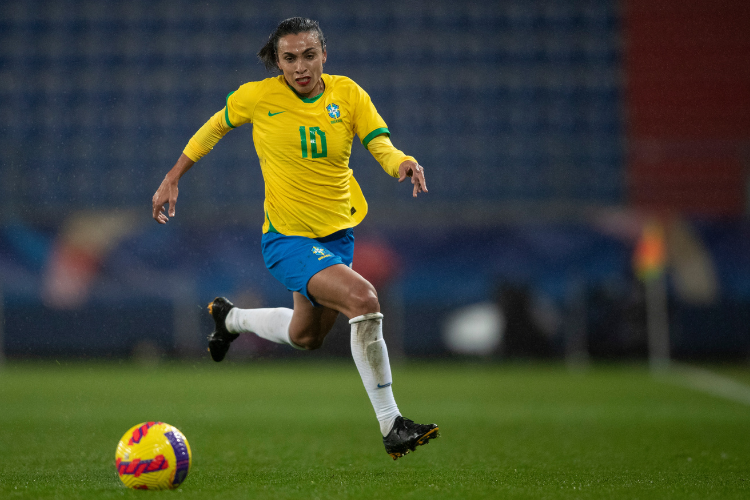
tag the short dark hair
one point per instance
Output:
(292, 26)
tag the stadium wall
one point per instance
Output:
(687, 91)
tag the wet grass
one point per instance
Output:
(306, 430)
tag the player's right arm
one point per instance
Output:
(199, 146)
(167, 192)
(238, 111)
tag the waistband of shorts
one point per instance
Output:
(334, 236)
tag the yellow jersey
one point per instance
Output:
(304, 145)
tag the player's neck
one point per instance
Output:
(318, 89)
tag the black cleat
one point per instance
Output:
(219, 340)
(405, 436)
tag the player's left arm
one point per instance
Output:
(397, 164)
(372, 130)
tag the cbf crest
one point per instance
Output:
(321, 253)
(333, 111)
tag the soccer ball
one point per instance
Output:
(153, 456)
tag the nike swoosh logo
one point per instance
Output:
(384, 385)
(274, 114)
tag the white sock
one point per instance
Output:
(371, 357)
(270, 324)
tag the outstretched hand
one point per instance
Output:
(167, 193)
(414, 170)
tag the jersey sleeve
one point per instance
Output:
(387, 155)
(206, 137)
(239, 108)
(367, 122)
(241, 104)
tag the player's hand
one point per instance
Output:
(167, 193)
(414, 170)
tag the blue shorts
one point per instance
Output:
(293, 260)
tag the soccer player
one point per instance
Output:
(304, 123)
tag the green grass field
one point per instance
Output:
(306, 430)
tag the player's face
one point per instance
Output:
(301, 58)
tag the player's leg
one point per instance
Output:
(309, 324)
(292, 260)
(339, 287)
(305, 327)
(269, 323)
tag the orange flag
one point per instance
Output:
(650, 256)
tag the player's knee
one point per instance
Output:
(364, 300)
(310, 343)
(308, 339)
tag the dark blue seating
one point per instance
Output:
(514, 92)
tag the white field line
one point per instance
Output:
(708, 382)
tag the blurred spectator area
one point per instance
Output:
(546, 278)
(507, 104)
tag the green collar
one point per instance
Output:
(308, 100)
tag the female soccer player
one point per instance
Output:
(304, 122)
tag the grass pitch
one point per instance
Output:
(306, 430)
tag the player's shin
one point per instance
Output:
(371, 357)
(270, 324)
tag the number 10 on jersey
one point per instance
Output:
(317, 140)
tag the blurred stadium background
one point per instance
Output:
(555, 136)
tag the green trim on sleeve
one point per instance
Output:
(372, 135)
(226, 111)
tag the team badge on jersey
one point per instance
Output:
(333, 111)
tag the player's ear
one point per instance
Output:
(325, 56)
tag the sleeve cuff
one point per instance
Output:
(226, 111)
(374, 134)
(191, 153)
